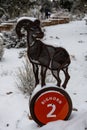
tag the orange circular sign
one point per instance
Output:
(50, 104)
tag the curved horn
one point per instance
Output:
(22, 23)
(37, 22)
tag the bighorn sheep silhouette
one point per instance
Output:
(48, 57)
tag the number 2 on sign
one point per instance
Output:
(50, 114)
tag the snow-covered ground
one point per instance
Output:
(14, 105)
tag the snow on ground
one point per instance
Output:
(14, 105)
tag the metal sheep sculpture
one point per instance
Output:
(40, 54)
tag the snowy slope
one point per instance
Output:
(14, 105)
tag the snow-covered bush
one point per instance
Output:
(11, 40)
(25, 77)
(1, 46)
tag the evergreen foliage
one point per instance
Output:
(15, 7)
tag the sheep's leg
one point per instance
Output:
(67, 77)
(36, 71)
(43, 75)
(56, 75)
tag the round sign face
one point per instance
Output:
(50, 105)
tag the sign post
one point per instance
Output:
(50, 104)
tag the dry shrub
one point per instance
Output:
(25, 81)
